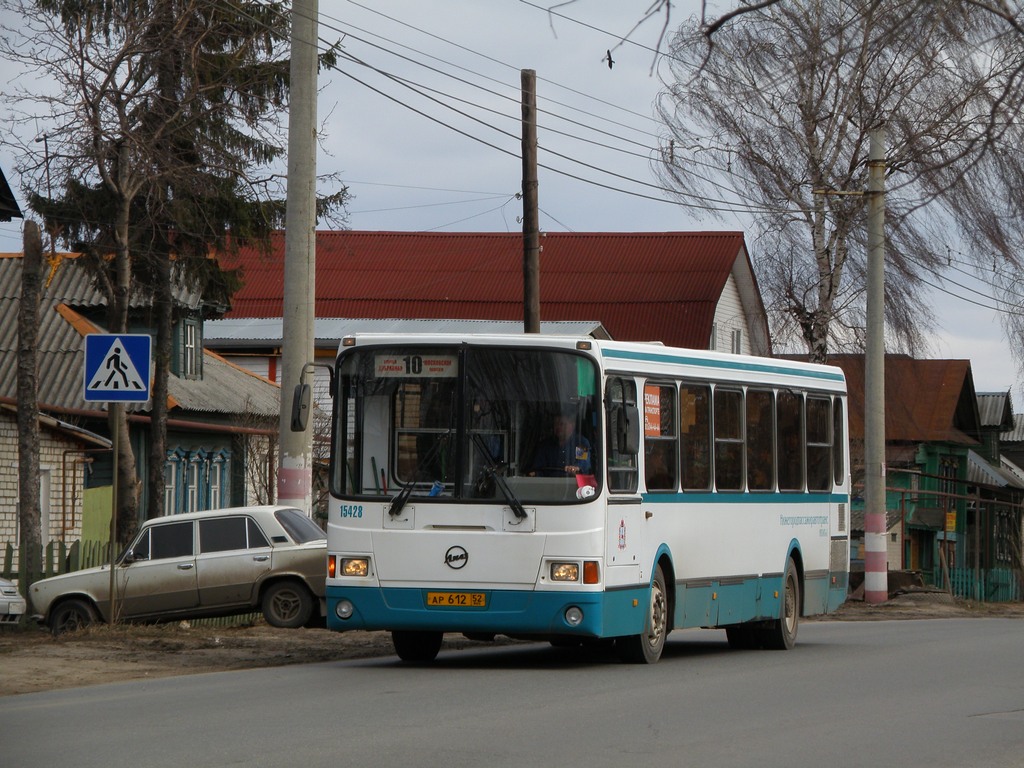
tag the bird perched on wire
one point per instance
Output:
(608, 58)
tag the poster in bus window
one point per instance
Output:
(652, 410)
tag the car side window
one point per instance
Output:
(171, 540)
(257, 538)
(222, 534)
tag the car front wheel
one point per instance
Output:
(71, 615)
(287, 604)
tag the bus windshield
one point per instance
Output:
(466, 424)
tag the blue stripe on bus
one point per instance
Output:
(612, 613)
(738, 365)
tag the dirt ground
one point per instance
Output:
(33, 660)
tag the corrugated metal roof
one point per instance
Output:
(224, 389)
(995, 409)
(240, 332)
(981, 472)
(641, 286)
(925, 400)
(1015, 435)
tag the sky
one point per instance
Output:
(423, 124)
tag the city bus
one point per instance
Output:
(582, 492)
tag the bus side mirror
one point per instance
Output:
(300, 407)
(626, 420)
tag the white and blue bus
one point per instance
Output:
(582, 491)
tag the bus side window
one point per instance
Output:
(695, 436)
(660, 440)
(838, 443)
(790, 436)
(760, 439)
(620, 399)
(728, 439)
(819, 443)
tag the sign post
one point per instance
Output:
(116, 371)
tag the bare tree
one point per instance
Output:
(775, 117)
(167, 127)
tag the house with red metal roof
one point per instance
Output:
(687, 289)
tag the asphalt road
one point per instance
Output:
(890, 693)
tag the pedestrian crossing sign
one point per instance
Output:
(117, 367)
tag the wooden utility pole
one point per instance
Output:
(531, 228)
(295, 470)
(30, 564)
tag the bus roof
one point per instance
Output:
(653, 358)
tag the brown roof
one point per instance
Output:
(925, 400)
(640, 286)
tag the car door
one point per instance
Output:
(162, 575)
(234, 554)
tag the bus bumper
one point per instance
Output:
(509, 612)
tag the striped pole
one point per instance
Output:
(876, 566)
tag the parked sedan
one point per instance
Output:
(201, 564)
(12, 604)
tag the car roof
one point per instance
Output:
(258, 511)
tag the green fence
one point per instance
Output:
(992, 586)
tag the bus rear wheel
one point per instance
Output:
(646, 647)
(780, 635)
(415, 646)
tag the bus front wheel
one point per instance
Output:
(416, 647)
(646, 647)
(780, 634)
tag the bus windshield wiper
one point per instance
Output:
(406, 492)
(493, 469)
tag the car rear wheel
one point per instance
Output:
(71, 615)
(287, 604)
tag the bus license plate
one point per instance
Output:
(456, 600)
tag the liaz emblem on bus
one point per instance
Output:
(420, 366)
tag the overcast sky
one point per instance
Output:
(425, 129)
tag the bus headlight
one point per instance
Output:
(354, 566)
(344, 609)
(573, 616)
(565, 572)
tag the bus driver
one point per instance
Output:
(564, 452)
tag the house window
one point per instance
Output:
(737, 341)
(190, 350)
(192, 485)
(218, 468)
(170, 486)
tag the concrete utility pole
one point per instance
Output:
(876, 567)
(295, 467)
(531, 228)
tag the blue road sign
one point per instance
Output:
(117, 367)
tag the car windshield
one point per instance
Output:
(298, 526)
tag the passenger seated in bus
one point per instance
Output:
(564, 452)
(659, 476)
